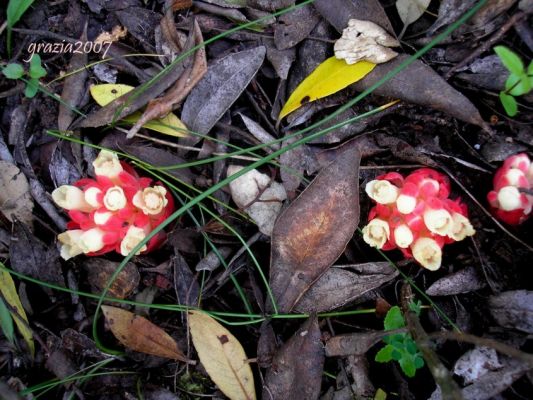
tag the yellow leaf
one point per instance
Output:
(139, 334)
(328, 78)
(169, 125)
(222, 356)
(7, 287)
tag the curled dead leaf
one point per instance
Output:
(139, 334)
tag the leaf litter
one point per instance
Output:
(280, 243)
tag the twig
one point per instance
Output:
(480, 341)
(443, 378)
(188, 148)
(487, 44)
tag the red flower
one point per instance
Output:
(509, 200)
(113, 212)
(420, 221)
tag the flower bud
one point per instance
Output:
(428, 253)
(92, 196)
(513, 177)
(92, 240)
(438, 221)
(403, 236)
(115, 199)
(102, 217)
(376, 233)
(70, 198)
(405, 203)
(70, 243)
(107, 164)
(509, 198)
(461, 227)
(133, 237)
(520, 161)
(151, 200)
(382, 191)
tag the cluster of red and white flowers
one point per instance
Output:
(511, 200)
(415, 215)
(114, 211)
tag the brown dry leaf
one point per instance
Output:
(312, 233)
(341, 285)
(139, 334)
(99, 271)
(137, 98)
(222, 356)
(73, 87)
(297, 367)
(15, 197)
(193, 73)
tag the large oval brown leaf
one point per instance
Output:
(222, 356)
(139, 334)
(312, 233)
(296, 371)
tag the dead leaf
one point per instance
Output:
(162, 107)
(339, 12)
(312, 233)
(294, 26)
(340, 286)
(296, 371)
(420, 84)
(15, 197)
(222, 356)
(490, 385)
(365, 41)
(185, 284)
(356, 344)
(258, 195)
(137, 98)
(73, 86)
(167, 123)
(99, 270)
(463, 281)
(410, 10)
(225, 80)
(10, 295)
(30, 256)
(513, 309)
(475, 363)
(450, 11)
(139, 334)
(259, 132)
(212, 260)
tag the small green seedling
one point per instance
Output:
(519, 82)
(400, 347)
(35, 72)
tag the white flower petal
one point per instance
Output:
(107, 164)
(428, 253)
(376, 233)
(71, 198)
